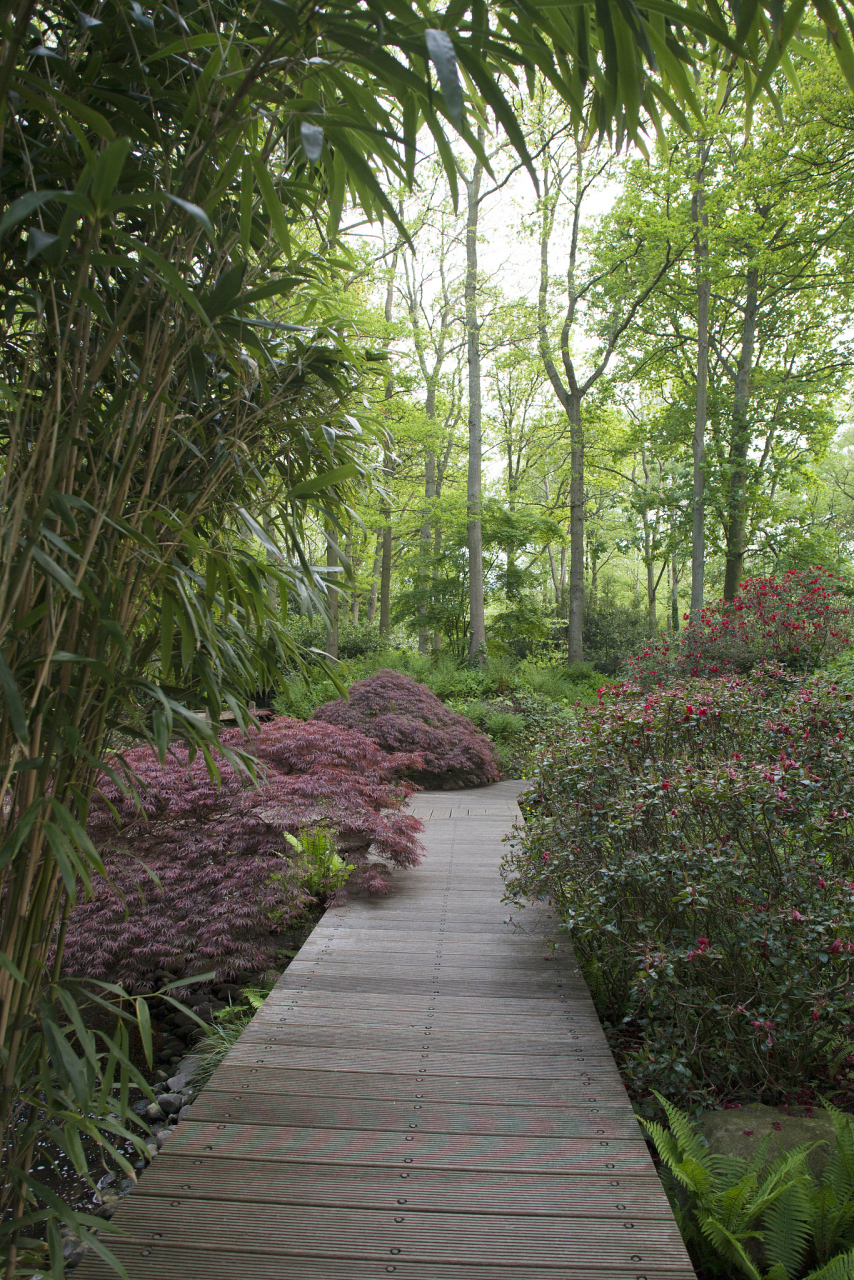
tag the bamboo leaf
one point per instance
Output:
(14, 703)
(195, 211)
(311, 136)
(440, 48)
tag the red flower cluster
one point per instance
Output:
(800, 620)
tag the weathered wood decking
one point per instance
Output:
(427, 1092)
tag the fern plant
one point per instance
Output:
(768, 1222)
(322, 869)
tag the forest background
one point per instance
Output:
(557, 335)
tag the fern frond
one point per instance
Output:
(730, 1246)
(832, 1221)
(736, 1206)
(839, 1268)
(787, 1230)
(685, 1131)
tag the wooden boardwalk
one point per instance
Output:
(427, 1093)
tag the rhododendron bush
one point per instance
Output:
(698, 841)
(801, 620)
(227, 880)
(401, 715)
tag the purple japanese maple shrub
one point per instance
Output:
(401, 715)
(199, 878)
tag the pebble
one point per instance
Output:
(163, 1137)
(153, 1111)
(169, 1103)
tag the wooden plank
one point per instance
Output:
(155, 1261)
(301, 1182)
(426, 1093)
(427, 1116)
(309, 1231)
(577, 1083)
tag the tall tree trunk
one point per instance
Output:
(477, 619)
(563, 581)
(429, 499)
(698, 444)
(437, 551)
(674, 595)
(736, 501)
(375, 579)
(332, 599)
(388, 467)
(576, 531)
(555, 579)
(385, 584)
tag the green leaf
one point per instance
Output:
(273, 205)
(38, 241)
(14, 703)
(195, 211)
(309, 488)
(107, 171)
(311, 136)
(224, 292)
(143, 1018)
(22, 207)
(440, 48)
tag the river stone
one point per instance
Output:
(169, 1102)
(739, 1132)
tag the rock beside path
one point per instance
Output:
(741, 1131)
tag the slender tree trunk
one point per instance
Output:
(674, 595)
(332, 628)
(388, 467)
(477, 619)
(429, 499)
(555, 579)
(375, 579)
(563, 581)
(594, 575)
(385, 584)
(576, 532)
(698, 444)
(736, 504)
(437, 551)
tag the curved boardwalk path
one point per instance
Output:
(426, 1093)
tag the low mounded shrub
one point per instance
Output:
(226, 878)
(402, 716)
(802, 620)
(697, 842)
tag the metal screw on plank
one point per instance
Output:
(174, 1203)
(185, 1186)
(621, 1206)
(394, 1251)
(628, 1225)
(404, 1175)
(636, 1257)
(398, 1219)
(407, 1160)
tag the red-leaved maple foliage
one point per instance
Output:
(227, 878)
(401, 715)
(801, 620)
